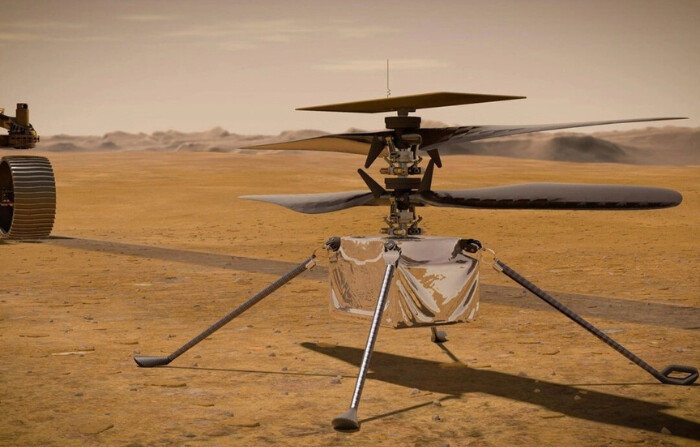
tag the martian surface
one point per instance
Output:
(151, 247)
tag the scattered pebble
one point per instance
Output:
(247, 424)
(577, 397)
(284, 368)
(272, 354)
(522, 374)
(79, 394)
(665, 431)
(169, 384)
(436, 417)
(414, 391)
(437, 403)
(216, 432)
(336, 380)
(536, 390)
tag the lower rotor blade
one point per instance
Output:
(321, 203)
(561, 196)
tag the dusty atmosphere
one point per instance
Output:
(151, 247)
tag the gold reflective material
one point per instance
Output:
(434, 283)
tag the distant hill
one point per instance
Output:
(650, 146)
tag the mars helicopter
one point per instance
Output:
(27, 184)
(428, 281)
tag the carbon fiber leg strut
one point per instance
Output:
(348, 420)
(663, 376)
(151, 361)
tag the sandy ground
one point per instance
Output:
(151, 248)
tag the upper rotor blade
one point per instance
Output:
(321, 203)
(410, 102)
(436, 137)
(569, 196)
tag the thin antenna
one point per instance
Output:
(388, 90)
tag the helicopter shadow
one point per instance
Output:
(594, 406)
(681, 317)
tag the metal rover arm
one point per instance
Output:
(21, 134)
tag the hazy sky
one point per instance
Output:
(90, 67)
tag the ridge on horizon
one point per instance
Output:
(664, 145)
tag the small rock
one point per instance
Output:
(577, 397)
(665, 431)
(522, 374)
(247, 424)
(536, 390)
(216, 432)
(414, 391)
(79, 394)
(436, 417)
(198, 356)
(437, 403)
(336, 380)
(272, 354)
(284, 368)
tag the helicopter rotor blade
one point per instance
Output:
(321, 203)
(555, 196)
(433, 138)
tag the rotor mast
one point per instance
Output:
(402, 146)
(403, 161)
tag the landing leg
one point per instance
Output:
(348, 420)
(669, 375)
(147, 361)
(437, 336)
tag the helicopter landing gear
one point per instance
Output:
(148, 361)
(437, 336)
(27, 197)
(671, 375)
(348, 420)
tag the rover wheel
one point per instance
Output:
(27, 197)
